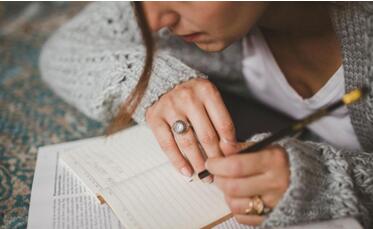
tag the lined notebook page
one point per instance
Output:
(137, 181)
(162, 198)
(113, 159)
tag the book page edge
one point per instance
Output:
(218, 221)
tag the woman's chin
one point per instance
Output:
(213, 46)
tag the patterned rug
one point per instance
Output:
(30, 114)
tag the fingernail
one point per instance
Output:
(207, 179)
(244, 145)
(186, 172)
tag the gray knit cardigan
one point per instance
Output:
(94, 61)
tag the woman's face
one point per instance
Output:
(212, 26)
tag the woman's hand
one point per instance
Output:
(242, 176)
(198, 103)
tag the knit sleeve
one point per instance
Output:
(94, 62)
(326, 183)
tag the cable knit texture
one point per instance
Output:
(325, 183)
(94, 62)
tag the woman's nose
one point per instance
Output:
(159, 16)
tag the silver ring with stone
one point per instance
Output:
(180, 127)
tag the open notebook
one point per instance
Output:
(129, 172)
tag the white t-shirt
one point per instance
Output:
(269, 85)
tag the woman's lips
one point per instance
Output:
(191, 37)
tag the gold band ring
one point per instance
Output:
(256, 206)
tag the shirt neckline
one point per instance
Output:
(323, 96)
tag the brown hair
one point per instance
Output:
(129, 106)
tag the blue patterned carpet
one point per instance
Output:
(30, 114)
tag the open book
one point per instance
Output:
(59, 199)
(129, 172)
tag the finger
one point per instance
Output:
(233, 148)
(239, 165)
(219, 116)
(243, 187)
(188, 144)
(167, 142)
(230, 148)
(204, 130)
(238, 205)
(271, 199)
(253, 220)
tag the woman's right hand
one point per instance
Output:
(197, 102)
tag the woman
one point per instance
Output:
(294, 57)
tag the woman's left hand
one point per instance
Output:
(242, 176)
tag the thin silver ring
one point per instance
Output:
(180, 127)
